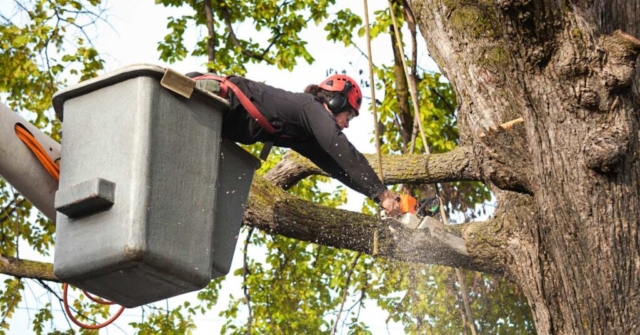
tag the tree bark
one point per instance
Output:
(27, 269)
(571, 231)
(456, 165)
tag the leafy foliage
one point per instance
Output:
(176, 321)
(426, 300)
(278, 23)
(40, 46)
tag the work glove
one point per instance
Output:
(390, 203)
(209, 85)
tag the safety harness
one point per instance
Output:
(225, 85)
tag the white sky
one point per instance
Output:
(137, 27)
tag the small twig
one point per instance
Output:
(13, 209)
(508, 125)
(211, 39)
(21, 6)
(358, 303)
(60, 300)
(286, 259)
(245, 275)
(465, 301)
(414, 296)
(317, 256)
(463, 288)
(7, 20)
(17, 223)
(236, 42)
(275, 37)
(450, 108)
(26, 301)
(345, 290)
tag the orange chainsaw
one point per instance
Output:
(420, 215)
(416, 214)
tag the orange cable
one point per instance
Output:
(54, 170)
(47, 162)
(96, 299)
(84, 325)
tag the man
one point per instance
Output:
(310, 123)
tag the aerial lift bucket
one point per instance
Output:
(150, 199)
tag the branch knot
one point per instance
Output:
(604, 150)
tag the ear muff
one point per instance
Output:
(339, 101)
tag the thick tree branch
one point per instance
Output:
(276, 211)
(402, 92)
(455, 165)
(411, 23)
(27, 269)
(272, 209)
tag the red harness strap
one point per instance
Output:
(225, 84)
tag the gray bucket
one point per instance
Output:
(142, 208)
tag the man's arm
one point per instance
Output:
(333, 153)
(323, 160)
(315, 153)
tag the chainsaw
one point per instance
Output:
(422, 214)
(416, 214)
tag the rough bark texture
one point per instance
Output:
(276, 211)
(571, 232)
(27, 269)
(456, 165)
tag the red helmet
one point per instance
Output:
(347, 87)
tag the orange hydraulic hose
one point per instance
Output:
(96, 299)
(47, 162)
(84, 325)
(54, 170)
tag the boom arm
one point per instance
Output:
(20, 168)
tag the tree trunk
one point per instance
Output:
(570, 228)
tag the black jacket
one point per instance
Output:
(304, 125)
